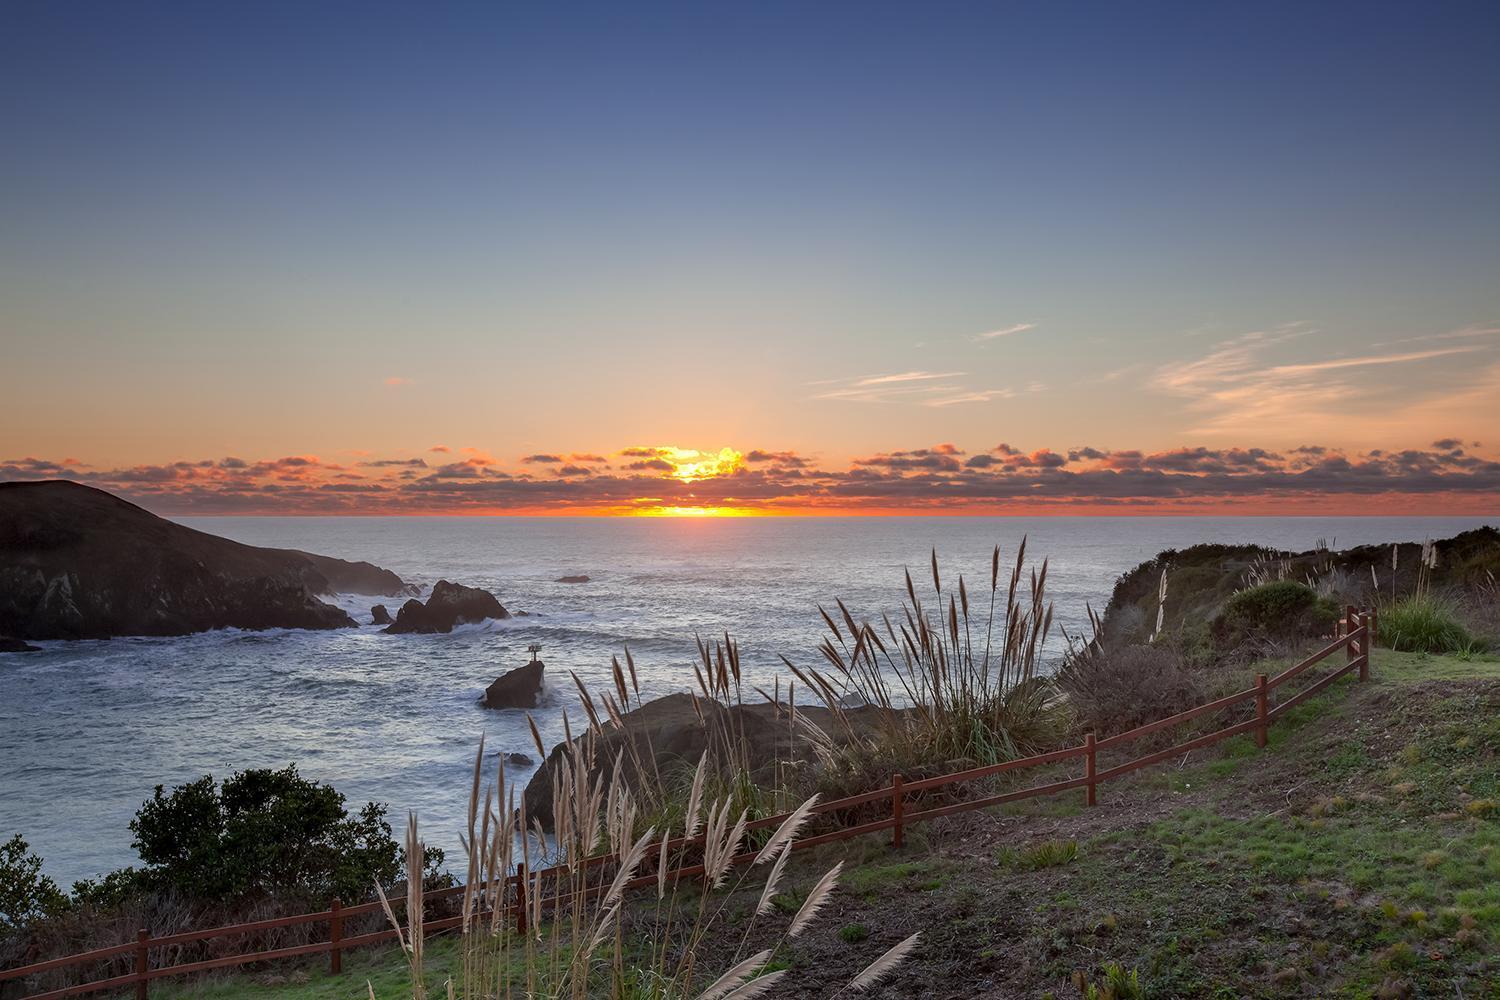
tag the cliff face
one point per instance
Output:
(79, 563)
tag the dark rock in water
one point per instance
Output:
(449, 605)
(518, 688)
(515, 759)
(9, 645)
(572, 579)
(78, 563)
(380, 616)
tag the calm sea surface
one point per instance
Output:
(88, 728)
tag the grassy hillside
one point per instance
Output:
(1358, 856)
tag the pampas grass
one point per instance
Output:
(952, 680)
(576, 944)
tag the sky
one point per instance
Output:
(390, 258)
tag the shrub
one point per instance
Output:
(1112, 690)
(1280, 610)
(25, 893)
(261, 833)
(1422, 624)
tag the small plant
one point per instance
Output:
(1115, 982)
(1048, 854)
(854, 933)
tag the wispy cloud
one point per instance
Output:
(973, 396)
(1239, 388)
(395, 380)
(1004, 331)
(917, 388)
(907, 377)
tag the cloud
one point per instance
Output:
(783, 459)
(1004, 332)
(921, 388)
(1238, 387)
(906, 377)
(1448, 475)
(395, 380)
(542, 459)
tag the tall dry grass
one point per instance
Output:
(676, 943)
(952, 681)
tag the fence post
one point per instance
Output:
(335, 935)
(521, 898)
(896, 810)
(1364, 647)
(1262, 713)
(142, 962)
(1350, 617)
(1089, 769)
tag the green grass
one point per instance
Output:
(383, 968)
(1422, 624)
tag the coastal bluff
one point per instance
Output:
(80, 563)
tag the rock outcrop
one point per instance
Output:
(518, 688)
(79, 563)
(9, 645)
(379, 615)
(450, 604)
(669, 739)
(572, 579)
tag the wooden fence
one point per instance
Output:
(1356, 636)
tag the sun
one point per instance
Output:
(690, 465)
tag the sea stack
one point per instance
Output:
(450, 604)
(518, 688)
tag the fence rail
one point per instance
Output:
(1356, 636)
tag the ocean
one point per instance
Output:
(87, 729)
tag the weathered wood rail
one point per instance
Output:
(1356, 638)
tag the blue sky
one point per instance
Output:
(329, 227)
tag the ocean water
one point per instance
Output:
(87, 729)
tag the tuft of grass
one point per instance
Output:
(1424, 623)
(854, 933)
(1048, 854)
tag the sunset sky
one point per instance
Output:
(390, 258)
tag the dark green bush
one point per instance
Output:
(1277, 611)
(25, 893)
(264, 833)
